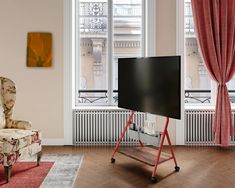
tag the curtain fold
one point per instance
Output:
(215, 29)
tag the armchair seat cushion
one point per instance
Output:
(12, 140)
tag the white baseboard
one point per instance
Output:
(53, 141)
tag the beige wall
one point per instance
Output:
(39, 90)
(166, 43)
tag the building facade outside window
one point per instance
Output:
(197, 81)
(105, 31)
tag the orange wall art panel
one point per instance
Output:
(39, 49)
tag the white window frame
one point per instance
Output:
(148, 46)
(180, 51)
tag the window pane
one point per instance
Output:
(197, 80)
(93, 51)
(127, 41)
(231, 88)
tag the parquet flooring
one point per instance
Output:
(201, 167)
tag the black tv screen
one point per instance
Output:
(150, 85)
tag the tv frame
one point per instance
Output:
(169, 59)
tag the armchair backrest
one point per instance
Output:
(8, 97)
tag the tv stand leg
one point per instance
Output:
(141, 143)
(158, 156)
(177, 168)
(160, 148)
(122, 135)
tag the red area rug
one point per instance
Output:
(25, 175)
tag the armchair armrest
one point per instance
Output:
(19, 124)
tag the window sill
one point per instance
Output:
(203, 107)
(199, 107)
(186, 107)
(97, 108)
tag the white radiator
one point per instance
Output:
(102, 127)
(199, 127)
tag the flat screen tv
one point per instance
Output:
(150, 84)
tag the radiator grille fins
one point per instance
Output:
(102, 127)
(199, 127)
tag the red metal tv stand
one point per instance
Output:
(148, 155)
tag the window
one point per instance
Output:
(106, 30)
(197, 80)
(231, 89)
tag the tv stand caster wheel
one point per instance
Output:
(154, 179)
(177, 168)
(112, 160)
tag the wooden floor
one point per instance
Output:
(200, 167)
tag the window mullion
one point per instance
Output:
(143, 29)
(149, 23)
(77, 50)
(110, 51)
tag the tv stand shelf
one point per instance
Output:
(145, 154)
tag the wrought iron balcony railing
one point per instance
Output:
(94, 15)
(203, 96)
(197, 96)
(191, 96)
(96, 96)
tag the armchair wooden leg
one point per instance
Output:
(7, 172)
(39, 155)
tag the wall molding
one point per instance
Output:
(53, 141)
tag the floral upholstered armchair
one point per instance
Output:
(16, 138)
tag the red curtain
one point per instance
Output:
(215, 29)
